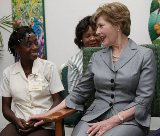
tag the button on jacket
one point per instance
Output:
(119, 86)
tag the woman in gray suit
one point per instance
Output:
(123, 77)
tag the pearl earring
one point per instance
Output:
(118, 30)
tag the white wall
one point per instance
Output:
(5, 10)
(63, 15)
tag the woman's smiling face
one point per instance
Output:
(107, 32)
(90, 39)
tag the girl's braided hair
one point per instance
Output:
(16, 38)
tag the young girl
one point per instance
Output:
(31, 83)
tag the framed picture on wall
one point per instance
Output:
(31, 13)
(154, 22)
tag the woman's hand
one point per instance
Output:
(99, 128)
(40, 118)
(37, 119)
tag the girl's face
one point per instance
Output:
(107, 32)
(28, 49)
(90, 38)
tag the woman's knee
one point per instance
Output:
(80, 129)
(125, 130)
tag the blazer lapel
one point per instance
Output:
(106, 57)
(128, 53)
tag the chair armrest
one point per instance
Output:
(59, 115)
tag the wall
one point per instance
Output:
(5, 10)
(62, 17)
(61, 20)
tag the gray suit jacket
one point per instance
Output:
(130, 82)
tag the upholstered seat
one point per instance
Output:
(72, 120)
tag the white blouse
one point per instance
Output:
(31, 95)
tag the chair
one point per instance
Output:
(72, 120)
(155, 111)
(63, 115)
(63, 74)
(87, 53)
(58, 117)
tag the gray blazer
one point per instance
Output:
(130, 82)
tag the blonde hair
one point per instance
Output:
(117, 14)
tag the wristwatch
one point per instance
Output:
(120, 118)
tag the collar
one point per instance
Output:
(131, 44)
(128, 53)
(18, 67)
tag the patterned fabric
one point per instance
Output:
(75, 68)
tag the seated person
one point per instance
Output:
(31, 83)
(122, 76)
(85, 36)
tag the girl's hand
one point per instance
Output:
(23, 126)
(20, 123)
(25, 130)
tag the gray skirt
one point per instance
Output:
(121, 130)
(125, 129)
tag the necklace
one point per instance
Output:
(115, 56)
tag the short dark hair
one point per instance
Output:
(17, 36)
(81, 28)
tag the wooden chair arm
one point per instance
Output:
(59, 115)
